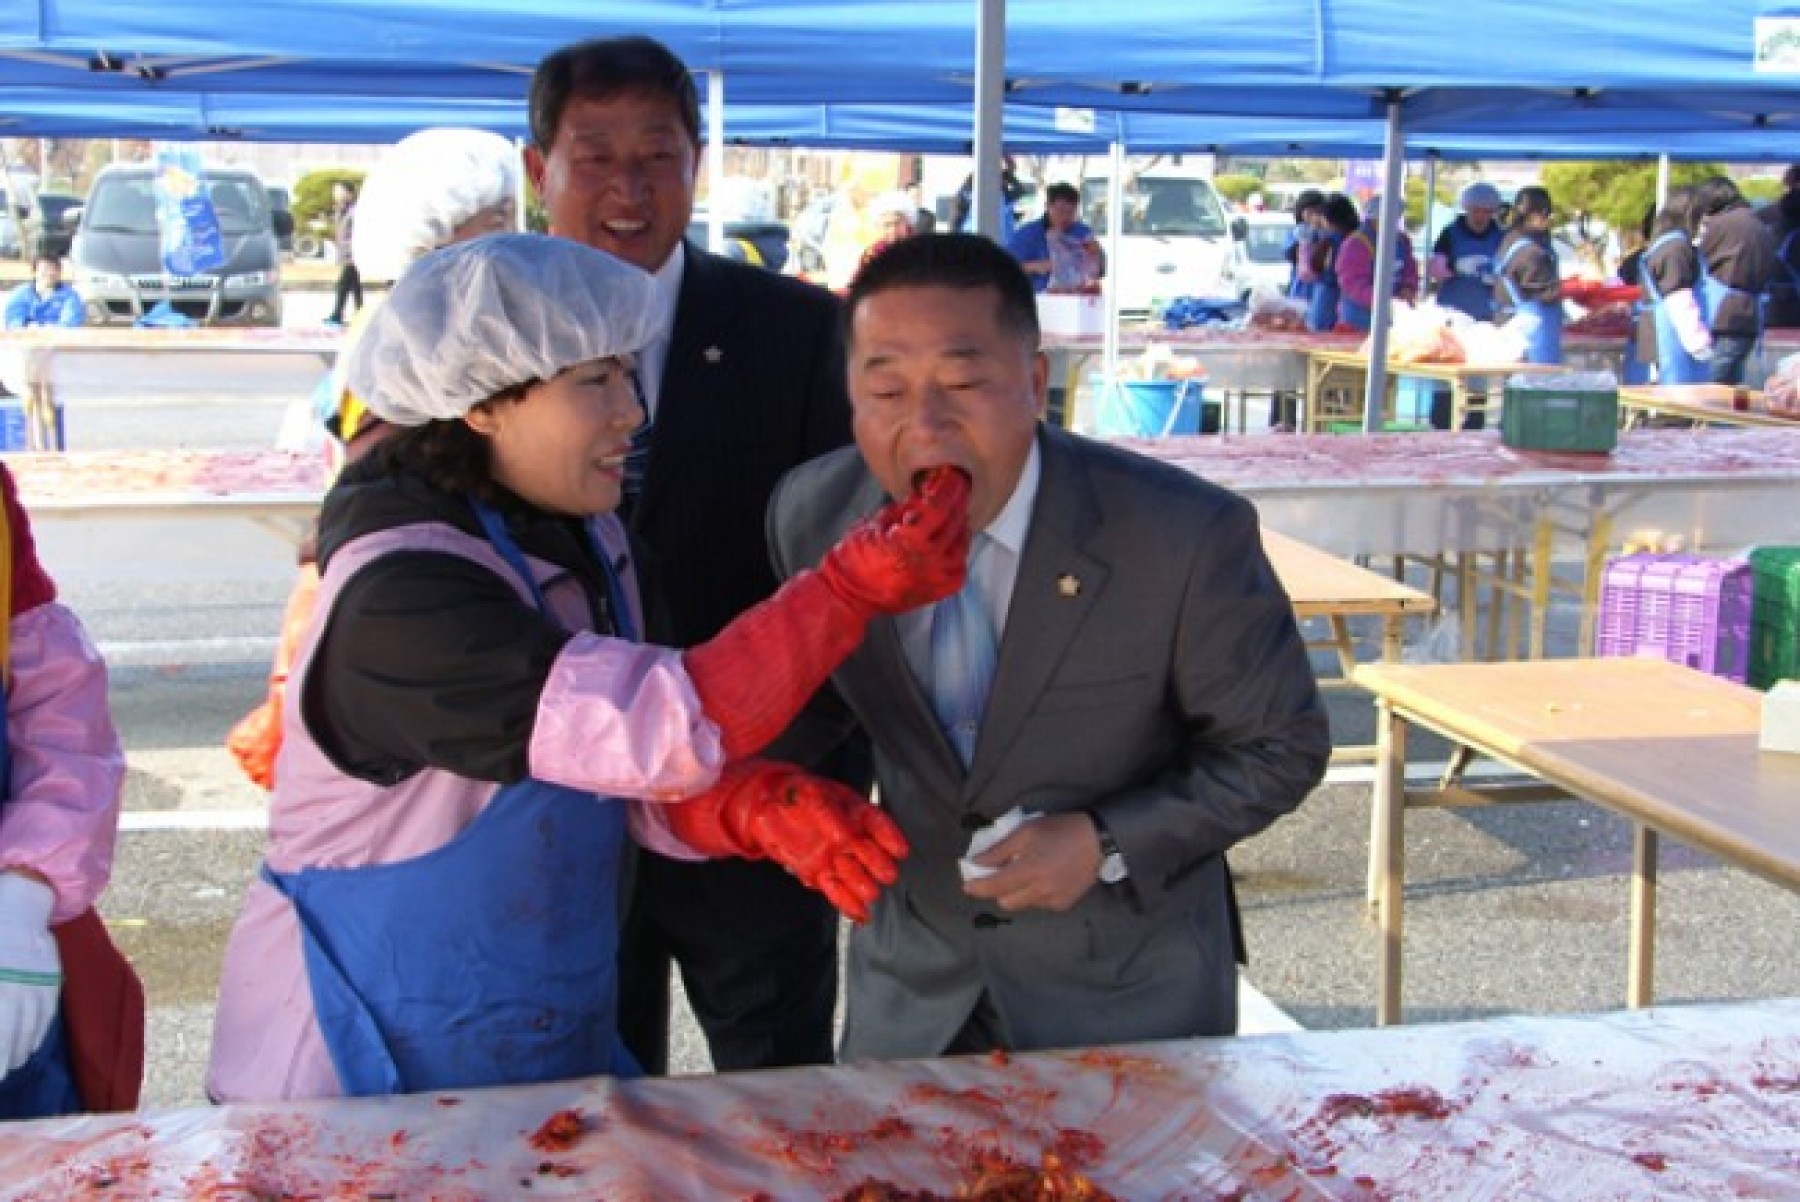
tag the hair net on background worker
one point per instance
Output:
(479, 317)
(1372, 208)
(426, 186)
(1480, 195)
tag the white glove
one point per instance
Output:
(30, 969)
(1474, 265)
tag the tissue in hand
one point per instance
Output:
(1781, 717)
(989, 835)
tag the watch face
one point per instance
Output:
(1112, 869)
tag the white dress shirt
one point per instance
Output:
(654, 357)
(994, 563)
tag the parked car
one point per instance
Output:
(1175, 241)
(1258, 253)
(760, 243)
(117, 262)
(47, 230)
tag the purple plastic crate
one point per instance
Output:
(1682, 608)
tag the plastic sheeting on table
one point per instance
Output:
(1432, 493)
(1681, 1103)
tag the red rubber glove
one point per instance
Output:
(754, 675)
(256, 739)
(827, 835)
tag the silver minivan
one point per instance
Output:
(116, 259)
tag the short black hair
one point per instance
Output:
(1340, 213)
(602, 68)
(1312, 198)
(1530, 200)
(1718, 194)
(1061, 191)
(1679, 212)
(967, 262)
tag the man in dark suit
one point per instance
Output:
(1150, 702)
(745, 382)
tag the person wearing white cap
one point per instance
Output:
(438, 902)
(1462, 259)
(893, 213)
(434, 188)
(1462, 263)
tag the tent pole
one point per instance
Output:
(1662, 180)
(1393, 216)
(715, 160)
(1423, 253)
(1115, 208)
(990, 99)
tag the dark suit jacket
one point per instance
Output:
(1151, 669)
(754, 384)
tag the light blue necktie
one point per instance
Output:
(963, 652)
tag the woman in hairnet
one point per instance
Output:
(469, 705)
(1462, 258)
(434, 188)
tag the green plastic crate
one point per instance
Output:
(1556, 419)
(1775, 615)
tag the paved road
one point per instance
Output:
(1509, 911)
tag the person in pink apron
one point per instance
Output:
(473, 726)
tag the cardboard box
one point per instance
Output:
(1071, 313)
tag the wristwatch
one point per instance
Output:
(1112, 860)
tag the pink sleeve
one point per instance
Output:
(61, 816)
(1409, 267)
(1353, 269)
(623, 719)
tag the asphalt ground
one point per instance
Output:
(1509, 910)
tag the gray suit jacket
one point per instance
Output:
(1171, 693)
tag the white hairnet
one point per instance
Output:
(482, 316)
(426, 186)
(1481, 195)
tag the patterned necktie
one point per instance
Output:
(963, 652)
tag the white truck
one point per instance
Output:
(1176, 239)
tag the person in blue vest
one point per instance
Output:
(1672, 330)
(1784, 289)
(474, 725)
(1339, 220)
(1462, 259)
(1308, 207)
(1528, 280)
(1737, 255)
(1462, 264)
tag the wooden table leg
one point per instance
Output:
(1640, 988)
(1388, 854)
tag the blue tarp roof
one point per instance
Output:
(1566, 75)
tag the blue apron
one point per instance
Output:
(1673, 364)
(1361, 317)
(1713, 292)
(1322, 306)
(1471, 294)
(43, 1086)
(489, 961)
(1544, 344)
(1297, 288)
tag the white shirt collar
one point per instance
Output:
(668, 288)
(1013, 522)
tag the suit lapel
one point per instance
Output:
(1058, 584)
(703, 312)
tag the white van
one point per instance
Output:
(1176, 240)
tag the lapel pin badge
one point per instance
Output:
(1068, 586)
(712, 354)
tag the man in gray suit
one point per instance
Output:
(1151, 702)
